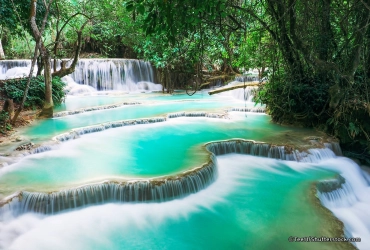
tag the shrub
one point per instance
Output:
(14, 89)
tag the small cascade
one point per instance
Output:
(253, 110)
(73, 88)
(196, 114)
(336, 193)
(267, 150)
(348, 197)
(247, 78)
(245, 94)
(159, 189)
(335, 147)
(75, 133)
(347, 189)
(83, 110)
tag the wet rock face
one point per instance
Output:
(27, 146)
(327, 186)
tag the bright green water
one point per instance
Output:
(132, 151)
(51, 127)
(255, 203)
(78, 102)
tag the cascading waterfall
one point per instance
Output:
(5, 65)
(114, 74)
(270, 151)
(348, 197)
(14, 68)
(101, 74)
(245, 94)
(158, 189)
(145, 190)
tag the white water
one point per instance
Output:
(93, 223)
(82, 229)
(240, 93)
(95, 74)
(73, 88)
(351, 202)
(97, 227)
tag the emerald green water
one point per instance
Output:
(131, 152)
(51, 127)
(78, 102)
(255, 203)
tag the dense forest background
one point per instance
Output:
(313, 54)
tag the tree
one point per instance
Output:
(320, 60)
(47, 110)
(2, 55)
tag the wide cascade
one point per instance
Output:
(155, 189)
(101, 74)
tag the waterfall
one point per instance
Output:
(101, 74)
(158, 189)
(246, 94)
(5, 65)
(348, 197)
(143, 190)
(241, 146)
(113, 74)
(10, 69)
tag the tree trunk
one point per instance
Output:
(47, 110)
(2, 55)
(9, 107)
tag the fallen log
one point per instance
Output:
(228, 88)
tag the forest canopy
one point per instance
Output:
(314, 54)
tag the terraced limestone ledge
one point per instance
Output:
(153, 189)
(30, 148)
(253, 110)
(84, 110)
(76, 133)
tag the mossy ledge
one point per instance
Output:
(145, 190)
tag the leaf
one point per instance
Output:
(130, 7)
(140, 9)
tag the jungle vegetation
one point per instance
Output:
(314, 54)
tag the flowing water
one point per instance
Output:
(141, 173)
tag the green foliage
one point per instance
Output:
(12, 12)
(4, 119)
(292, 100)
(17, 47)
(14, 89)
